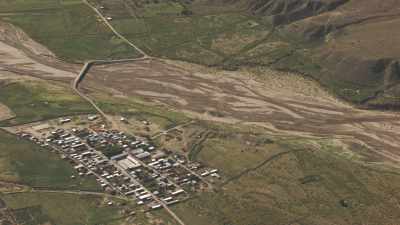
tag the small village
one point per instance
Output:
(125, 165)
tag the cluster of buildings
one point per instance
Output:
(127, 165)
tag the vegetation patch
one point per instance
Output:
(165, 8)
(65, 209)
(31, 215)
(277, 181)
(161, 115)
(24, 162)
(70, 29)
(34, 101)
(172, 29)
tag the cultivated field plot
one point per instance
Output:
(39, 100)
(23, 162)
(68, 28)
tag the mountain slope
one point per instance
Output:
(358, 49)
(352, 46)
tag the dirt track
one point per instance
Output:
(281, 102)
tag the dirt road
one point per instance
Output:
(80, 77)
(114, 30)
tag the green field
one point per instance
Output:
(68, 28)
(290, 181)
(165, 29)
(64, 209)
(224, 35)
(33, 101)
(73, 209)
(26, 163)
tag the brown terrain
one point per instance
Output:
(359, 47)
(281, 102)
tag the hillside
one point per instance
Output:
(286, 11)
(351, 47)
(357, 48)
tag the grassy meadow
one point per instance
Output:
(34, 101)
(68, 28)
(64, 209)
(26, 163)
(269, 180)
